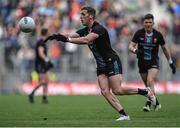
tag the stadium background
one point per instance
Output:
(74, 71)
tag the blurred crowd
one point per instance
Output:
(121, 17)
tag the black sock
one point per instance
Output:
(122, 112)
(157, 102)
(32, 93)
(142, 91)
(44, 97)
(148, 103)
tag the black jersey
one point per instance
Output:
(38, 59)
(148, 44)
(101, 47)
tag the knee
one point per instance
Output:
(150, 81)
(43, 82)
(105, 92)
(117, 91)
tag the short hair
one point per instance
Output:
(90, 10)
(44, 31)
(148, 16)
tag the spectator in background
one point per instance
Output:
(111, 28)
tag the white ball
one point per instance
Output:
(27, 24)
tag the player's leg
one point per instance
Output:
(44, 81)
(117, 89)
(114, 73)
(151, 80)
(147, 106)
(31, 95)
(144, 78)
(143, 71)
(115, 84)
(112, 99)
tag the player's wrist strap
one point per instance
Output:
(69, 39)
(46, 59)
(170, 61)
(134, 50)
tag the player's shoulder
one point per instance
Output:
(139, 31)
(82, 29)
(155, 31)
(97, 25)
(99, 28)
(40, 42)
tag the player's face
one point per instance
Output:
(85, 17)
(148, 24)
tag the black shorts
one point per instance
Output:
(113, 67)
(41, 68)
(145, 65)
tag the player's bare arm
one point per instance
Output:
(41, 53)
(84, 40)
(72, 35)
(166, 52)
(168, 56)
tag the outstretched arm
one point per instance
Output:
(73, 38)
(61, 36)
(73, 35)
(84, 40)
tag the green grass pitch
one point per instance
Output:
(86, 111)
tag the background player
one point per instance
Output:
(42, 65)
(109, 68)
(145, 44)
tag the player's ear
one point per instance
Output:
(153, 21)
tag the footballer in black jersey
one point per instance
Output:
(107, 60)
(145, 44)
(42, 65)
(109, 68)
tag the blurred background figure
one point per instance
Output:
(42, 66)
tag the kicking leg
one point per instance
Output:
(115, 84)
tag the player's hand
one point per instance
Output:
(62, 38)
(49, 65)
(137, 52)
(173, 67)
(59, 37)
